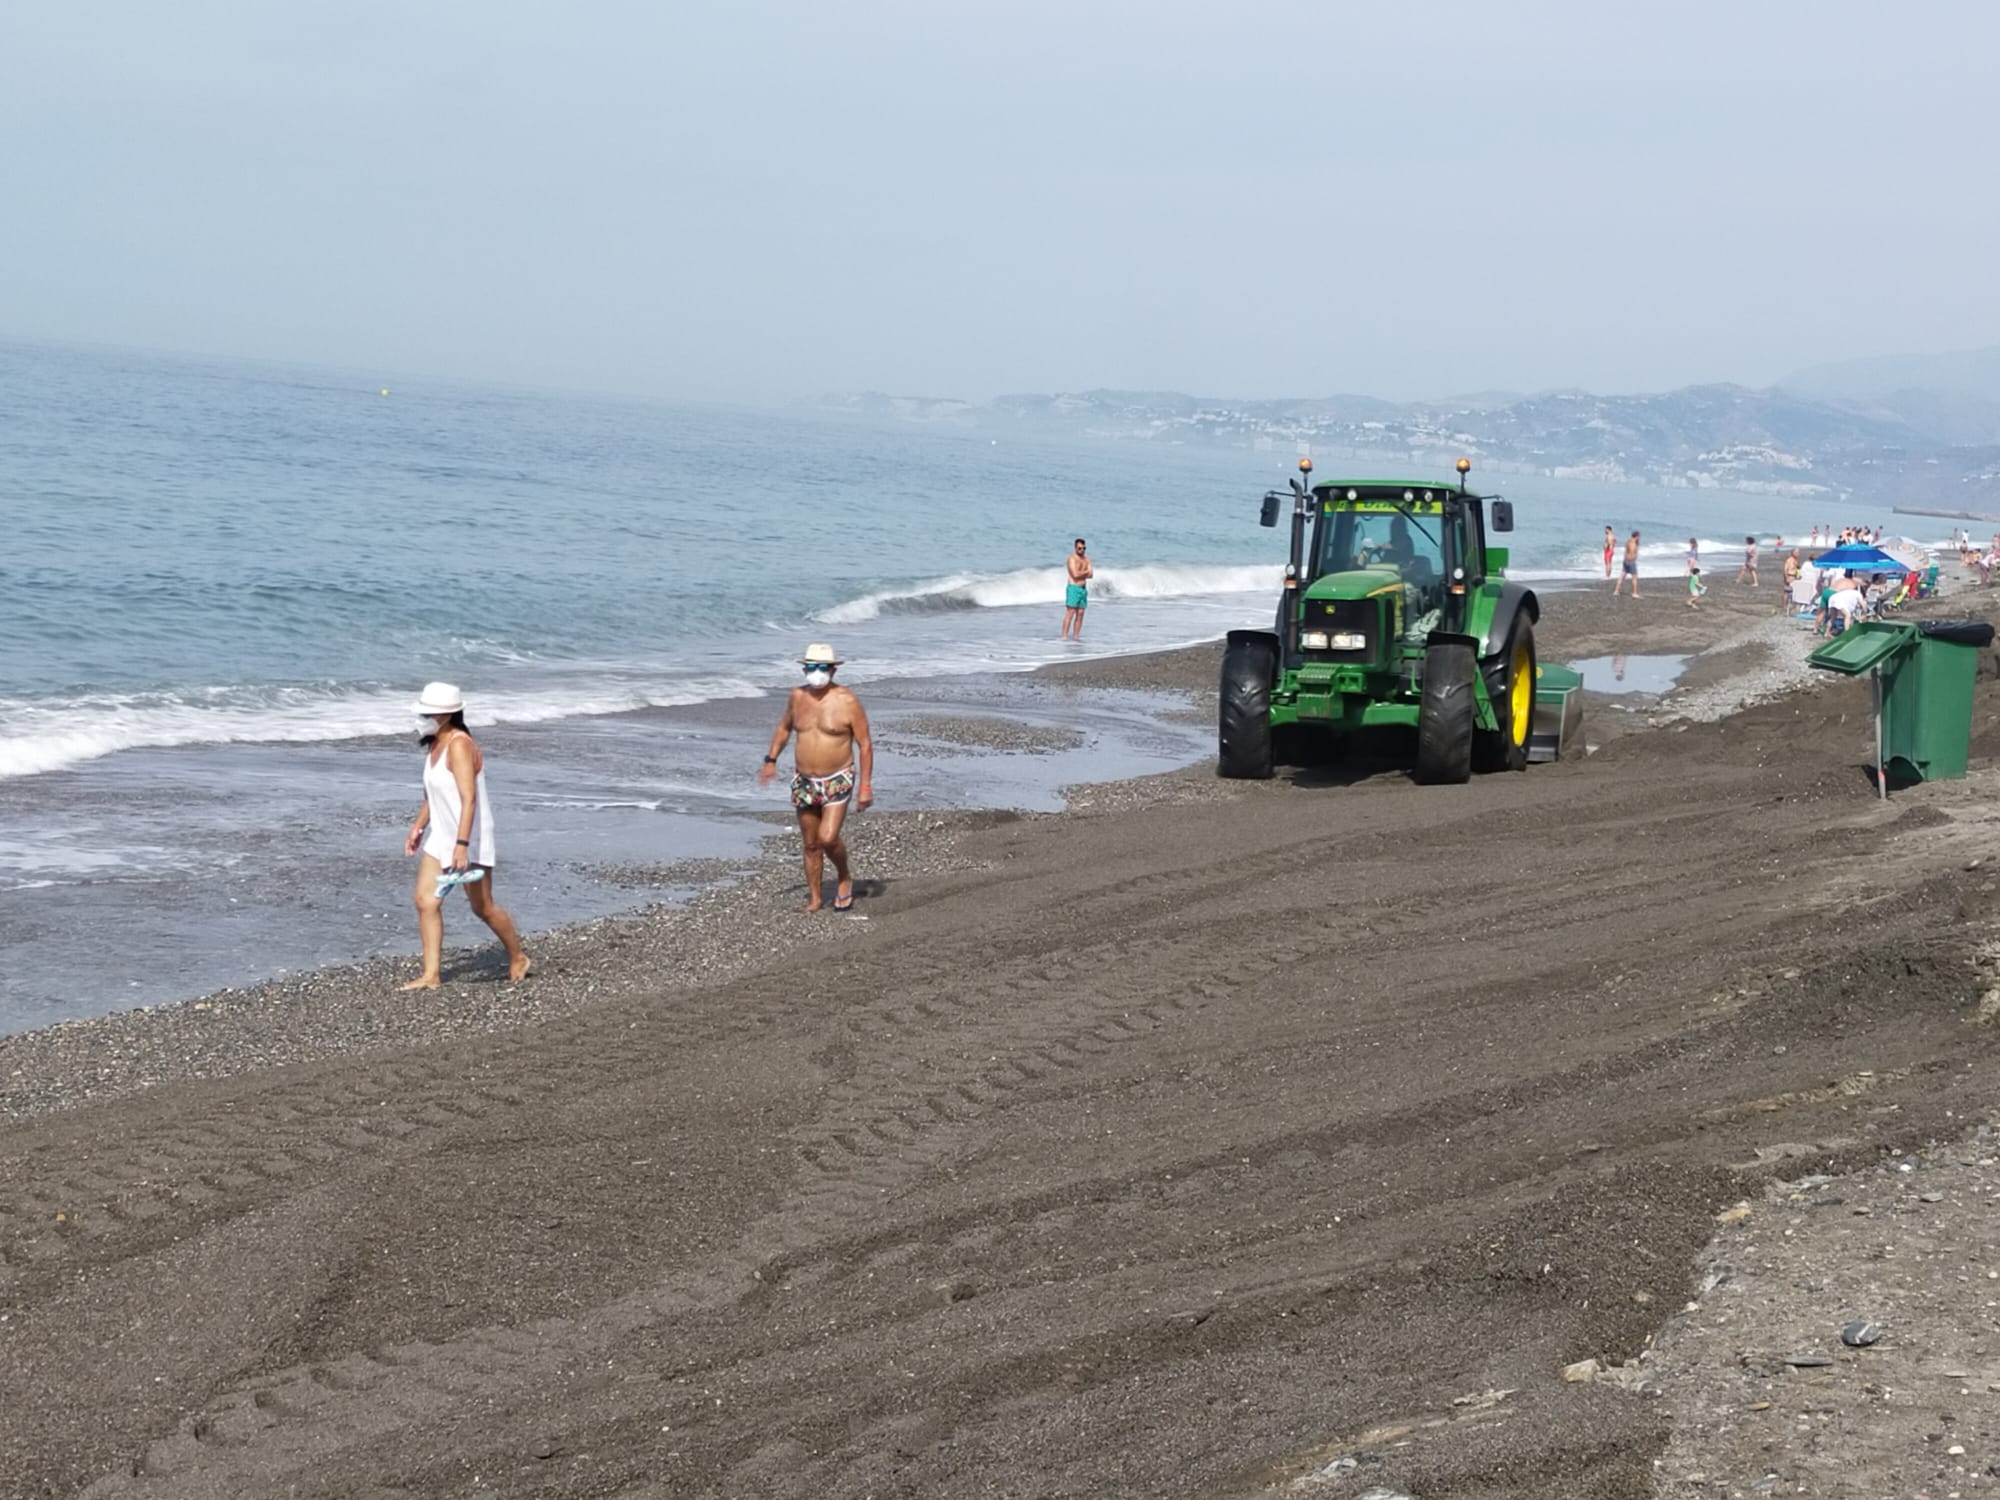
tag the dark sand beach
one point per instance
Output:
(1202, 1139)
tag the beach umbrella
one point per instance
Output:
(1856, 558)
(1910, 554)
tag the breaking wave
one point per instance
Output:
(1044, 586)
(38, 735)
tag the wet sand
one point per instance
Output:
(1206, 1138)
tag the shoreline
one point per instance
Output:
(728, 913)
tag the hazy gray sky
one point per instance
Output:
(739, 199)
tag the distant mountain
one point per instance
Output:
(1967, 373)
(1903, 445)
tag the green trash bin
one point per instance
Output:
(1924, 682)
(1927, 700)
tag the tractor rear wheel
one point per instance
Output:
(1243, 729)
(1446, 712)
(1511, 687)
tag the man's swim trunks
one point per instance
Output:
(823, 791)
(1078, 597)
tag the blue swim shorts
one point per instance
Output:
(1077, 597)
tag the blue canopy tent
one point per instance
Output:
(1856, 558)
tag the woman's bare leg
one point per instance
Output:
(430, 923)
(479, 895)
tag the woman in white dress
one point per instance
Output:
(454, 835)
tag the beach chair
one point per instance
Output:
(1928, 588)
(1802, 599)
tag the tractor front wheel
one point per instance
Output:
(1243, 731)
(1511, 687)
(1445, 715)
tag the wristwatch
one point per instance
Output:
(770, 760)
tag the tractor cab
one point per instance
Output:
(1377, 561)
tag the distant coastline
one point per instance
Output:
(1912, 451)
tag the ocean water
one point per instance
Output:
(221, 585)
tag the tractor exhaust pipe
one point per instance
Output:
(1295, 565)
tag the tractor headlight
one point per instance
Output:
(1347, 640)
(1313, 640)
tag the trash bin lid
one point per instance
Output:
(1860, 647)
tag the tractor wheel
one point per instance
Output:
(1243, 730)
(1445, 715)
(1511, 686)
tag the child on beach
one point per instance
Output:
(1696, 588)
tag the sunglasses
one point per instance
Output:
(816, 666)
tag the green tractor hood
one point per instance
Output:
(1358, 583)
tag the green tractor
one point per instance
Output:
(1395, 611)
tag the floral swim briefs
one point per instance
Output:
(823, 791)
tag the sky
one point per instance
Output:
(761, 200)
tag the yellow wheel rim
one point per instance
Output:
(1520, 692)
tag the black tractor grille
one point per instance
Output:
(1345, 615)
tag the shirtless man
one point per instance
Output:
(1610, 546)
(1076, 596)
(833, 733)
(1631, 567)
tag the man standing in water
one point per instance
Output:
(833, 733)
(1631, 567)
(1076, 597)
(1610, 546)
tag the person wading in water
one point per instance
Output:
(833, 734)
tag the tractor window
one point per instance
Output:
(1382, 539)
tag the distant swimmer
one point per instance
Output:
(1610, 546)
(1076, 595)
(454, 833)
(1631, 567)
(833, 736)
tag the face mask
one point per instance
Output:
(818, 676)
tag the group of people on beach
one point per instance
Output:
(1981, 560)
(1696, 589)
(1856, 536)
(453, 840)
(833, 766)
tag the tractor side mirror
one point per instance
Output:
(1272, 503)
(1503, 515)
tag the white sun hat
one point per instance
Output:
(440, 698)
(820, 651)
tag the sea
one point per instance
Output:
(223, 583)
